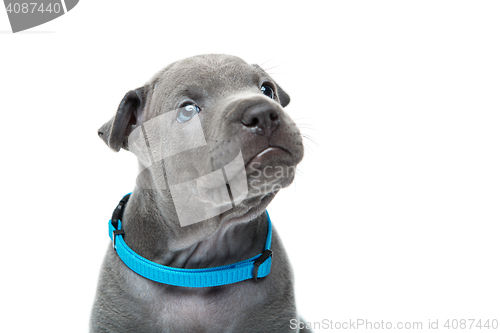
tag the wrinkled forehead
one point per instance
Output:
(204, 77)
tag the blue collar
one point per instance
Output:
(253, 268)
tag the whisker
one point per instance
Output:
(307, 127)
(306, 118)
(304, 125)
(308, 148)
(299, 172)
(265, 62)
(284, 62)
(307, 137)
(275, 73)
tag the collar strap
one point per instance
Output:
(254, 268)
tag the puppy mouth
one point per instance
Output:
(267, 154)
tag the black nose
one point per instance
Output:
(262, 119)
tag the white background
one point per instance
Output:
(395, 214)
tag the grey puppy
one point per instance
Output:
(240, 108)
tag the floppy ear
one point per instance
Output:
(282, 95)
(115, 132)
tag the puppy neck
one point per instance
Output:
(153, 231)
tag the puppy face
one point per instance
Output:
(210, 130)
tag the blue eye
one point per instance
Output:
(267, 90)
(187, 112)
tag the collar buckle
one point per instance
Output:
(263, 257)
(117, 216)
(118, 212)
(116, 233)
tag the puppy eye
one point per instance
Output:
(187, 111)
(267, 90)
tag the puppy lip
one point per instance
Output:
(268, 150)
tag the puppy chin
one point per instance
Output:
(249, 209)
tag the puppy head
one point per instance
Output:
(211, 133)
